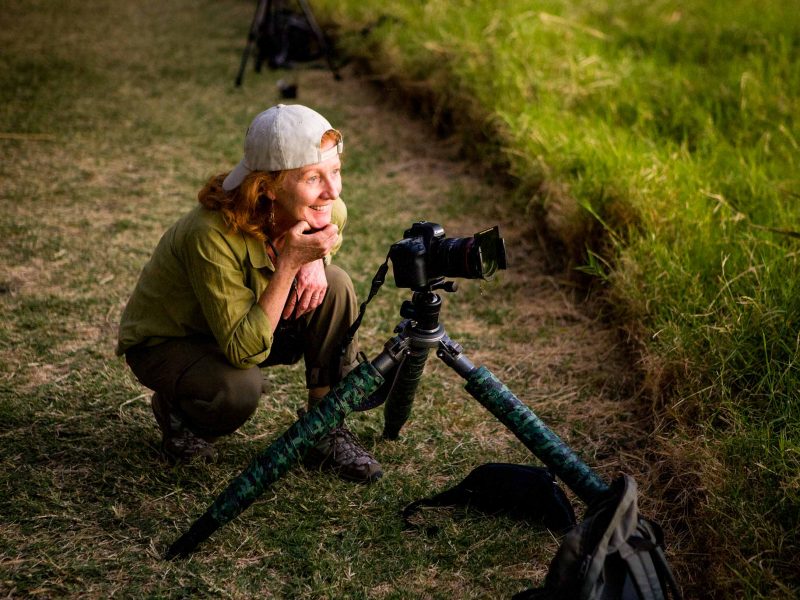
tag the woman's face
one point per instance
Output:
(307, 194)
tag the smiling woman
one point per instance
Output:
(244, 281)
(308, 194)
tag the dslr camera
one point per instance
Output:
(424, 257)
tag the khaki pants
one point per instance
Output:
(213, 398)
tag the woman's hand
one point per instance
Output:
(310, 290)
(297, 248)
(300, 245)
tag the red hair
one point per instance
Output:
(247, 207)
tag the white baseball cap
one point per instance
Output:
(283, 137)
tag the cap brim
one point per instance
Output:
(235, 177)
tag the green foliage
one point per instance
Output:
(675, 126)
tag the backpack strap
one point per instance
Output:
(454, 496)
(617, 531)
(660, 568)
(446, 498)
(647, 565)
(642, 572)
(665, 573)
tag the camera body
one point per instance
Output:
(424, 257)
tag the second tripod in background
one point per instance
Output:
(285, 38)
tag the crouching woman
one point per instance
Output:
(245, 281)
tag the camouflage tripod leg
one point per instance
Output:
(537, 437)
(272, 463)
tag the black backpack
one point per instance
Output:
(613, 554)
(518, 491)
(288, 38)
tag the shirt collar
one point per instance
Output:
(258, 253)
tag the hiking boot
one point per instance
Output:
(178, 444)
(339, 451)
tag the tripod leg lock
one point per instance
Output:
(394, 352)
(452, 354)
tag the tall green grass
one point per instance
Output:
(657, 143)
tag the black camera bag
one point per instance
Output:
(518, 491)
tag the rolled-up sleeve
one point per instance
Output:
(219, 278)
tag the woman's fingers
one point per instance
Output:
(310, 288)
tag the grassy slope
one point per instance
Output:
(659, 144)
(111, 117)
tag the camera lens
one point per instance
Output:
(457, 257)
(476, 257)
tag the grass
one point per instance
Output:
(112, 115)
(655, 144)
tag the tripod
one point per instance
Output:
(403, 358)
(275, 31)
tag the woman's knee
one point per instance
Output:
(340, 287)
(228, 401)
(339, 282)
(238, 398)
(241, 393)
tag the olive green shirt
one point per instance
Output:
(204, 280)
